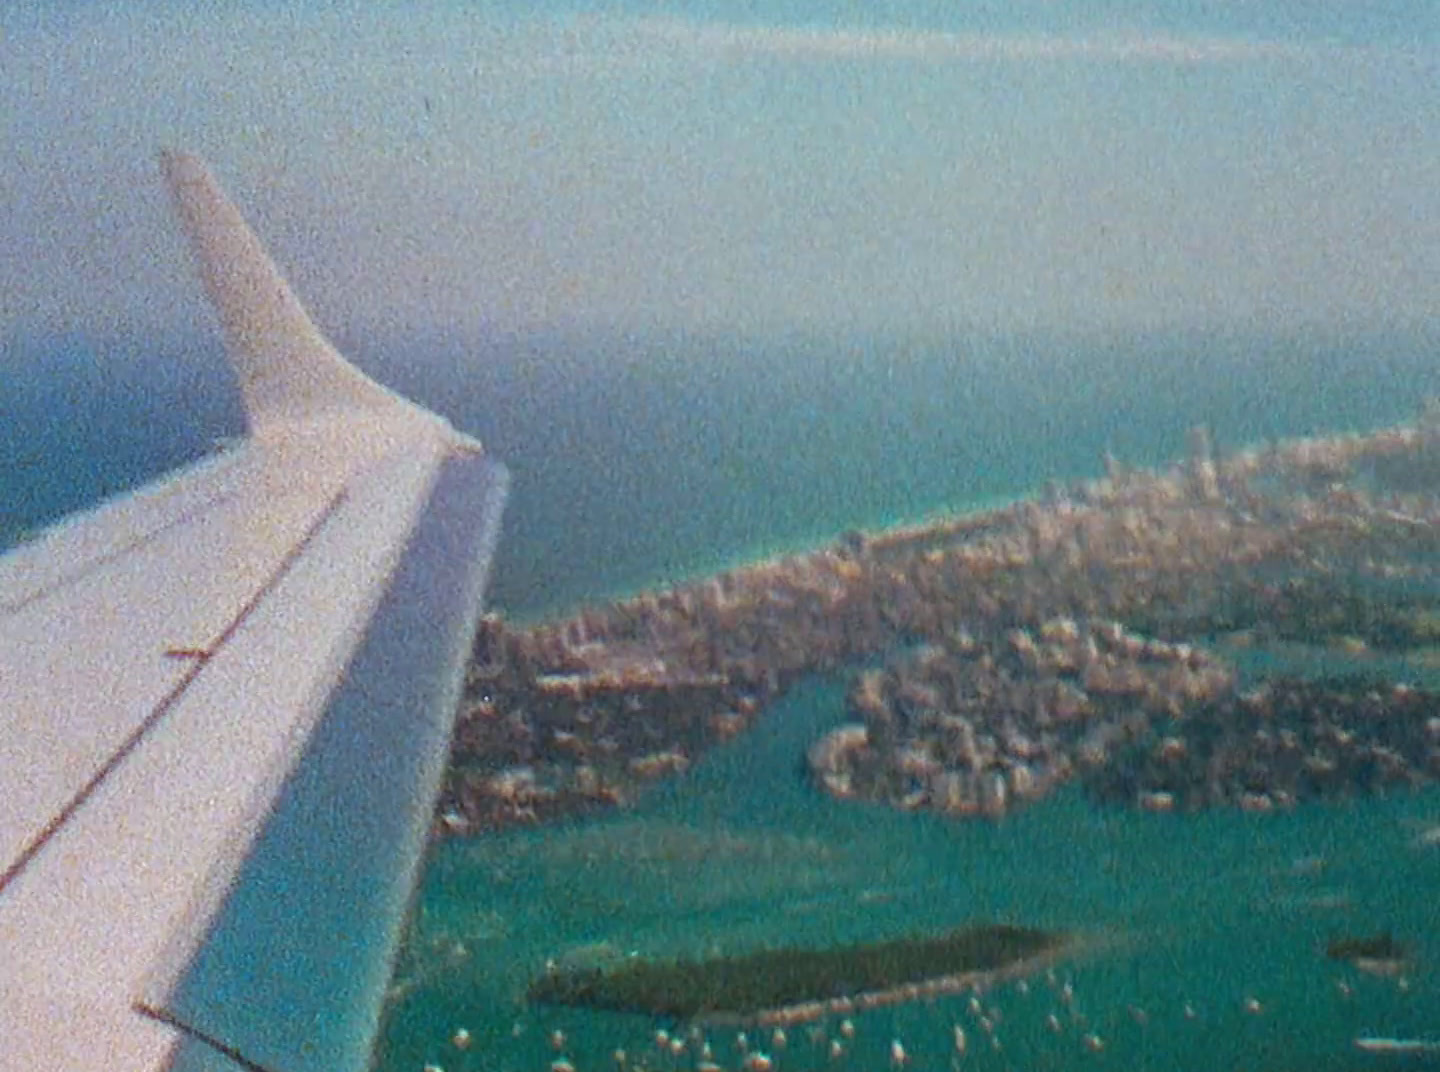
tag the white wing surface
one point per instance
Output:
(225, 706)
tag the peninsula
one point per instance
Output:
(1115, 633)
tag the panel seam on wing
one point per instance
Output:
(166, 703)
(228, 1052)
(114, 555)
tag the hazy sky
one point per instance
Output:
(1022, 164)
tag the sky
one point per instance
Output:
(1033, 164)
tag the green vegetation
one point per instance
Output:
(1381, 947)
(775, 978)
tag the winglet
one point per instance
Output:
(289, 372)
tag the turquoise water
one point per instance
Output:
(639, 460)
(1206, 911)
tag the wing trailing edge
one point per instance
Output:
(290, 969)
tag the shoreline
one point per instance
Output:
(578, 713)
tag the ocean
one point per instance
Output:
(642, 459)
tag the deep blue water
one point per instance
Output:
(640, 460)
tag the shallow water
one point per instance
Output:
(1206, 933)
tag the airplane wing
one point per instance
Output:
(225, 707)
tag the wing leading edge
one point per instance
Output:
(225, 706)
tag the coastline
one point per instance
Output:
(579, 713)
